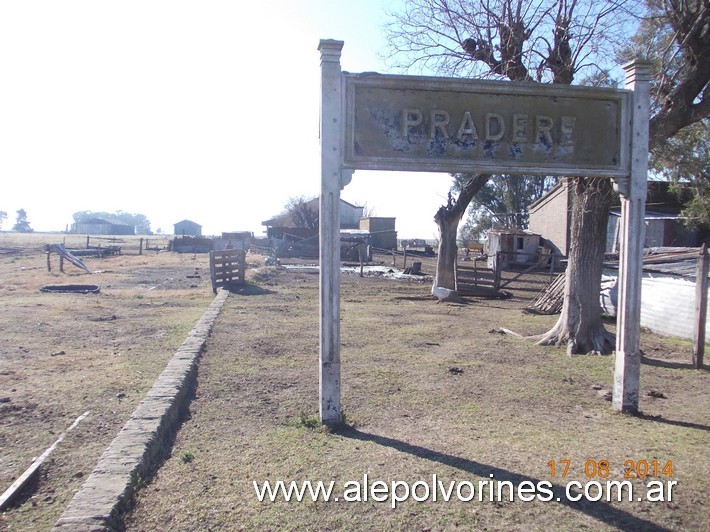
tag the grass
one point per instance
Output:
(115, 343)
(428, 390)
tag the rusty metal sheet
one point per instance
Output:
(447, 125)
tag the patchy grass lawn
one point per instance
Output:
(65, 354)
(427, 389)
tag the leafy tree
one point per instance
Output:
(502, 202)
(21, 223)
(3, 217)
(675, 36)
(684, 160)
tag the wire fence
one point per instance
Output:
(102, 244)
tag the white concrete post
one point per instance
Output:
(331, 128)
(633, 204)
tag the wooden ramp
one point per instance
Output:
(65, 254)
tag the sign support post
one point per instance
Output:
(633, 191)
(331, 127)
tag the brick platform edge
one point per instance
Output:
(133, 454)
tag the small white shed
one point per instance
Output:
(514, 247)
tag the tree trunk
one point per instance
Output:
(446, 258)
(447, 218)
(580, 325)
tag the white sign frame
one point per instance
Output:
(336, 171)
(484, 99)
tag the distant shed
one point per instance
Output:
(104, 226)
(233, 240)
(517, 247)
(382, 231)
(187, 228)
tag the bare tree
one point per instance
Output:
(675, 36)
(301, 212)
(558, 41)
(543, 41)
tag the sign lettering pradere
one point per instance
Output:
(447, 125)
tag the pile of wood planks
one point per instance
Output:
(549, 300)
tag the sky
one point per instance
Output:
(206, 111)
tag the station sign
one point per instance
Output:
(413, 123)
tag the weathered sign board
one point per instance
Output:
(450, 125)
(426, 124)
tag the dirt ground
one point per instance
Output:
(66, 354)
(428, 389)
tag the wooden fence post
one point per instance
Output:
(701, 306)
(360, 254)
(498, 268)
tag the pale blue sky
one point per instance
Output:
(202, 110)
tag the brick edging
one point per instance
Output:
(134, 451)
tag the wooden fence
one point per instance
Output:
(227, 268)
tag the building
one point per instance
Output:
(289, 240)
(382, 231)
(103, 226)
(187, 228)
(551, 217)
(233, 240)
(662, 230)
(513, 247)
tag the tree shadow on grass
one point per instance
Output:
(602, 511)
(674, 422)
(248, 290)
(667, 364)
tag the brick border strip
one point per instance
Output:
(139, 445)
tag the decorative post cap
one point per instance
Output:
(330, 50)
(637, 70)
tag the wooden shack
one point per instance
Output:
(514, 248)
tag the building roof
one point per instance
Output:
(187, 222)
(561, 183)
(110, 221)
(505, 231)
(650, 215)
(669, 261)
